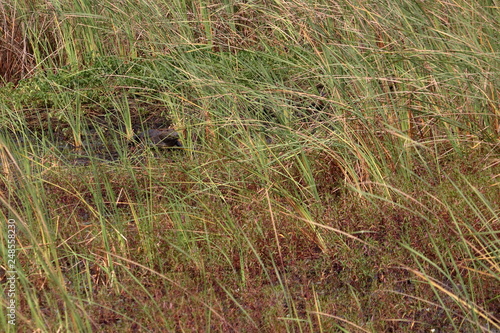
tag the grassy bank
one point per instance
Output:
(340, 168)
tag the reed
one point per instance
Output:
(339, 169)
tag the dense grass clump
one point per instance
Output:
(339, 170)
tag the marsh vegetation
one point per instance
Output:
(339, 168)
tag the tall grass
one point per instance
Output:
(339, 171)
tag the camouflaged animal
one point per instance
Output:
(163, 137)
